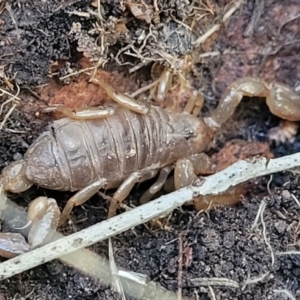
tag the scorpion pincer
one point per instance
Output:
(101, 148)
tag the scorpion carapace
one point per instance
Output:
(116, 148)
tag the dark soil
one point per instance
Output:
(38, 41)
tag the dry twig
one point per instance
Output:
(99, 268)
(239, 172)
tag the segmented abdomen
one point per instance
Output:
(111, 148)
(128, 142)
(74, 154)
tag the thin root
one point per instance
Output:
(286, 292)
(255, 280)
(265, 236)
(213, 296)
(262, 206)
(259, 215)
(292, 252)
(296, 200)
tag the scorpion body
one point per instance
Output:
(74, 154)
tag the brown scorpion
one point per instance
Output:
(101, 148)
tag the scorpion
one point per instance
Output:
(107, 148)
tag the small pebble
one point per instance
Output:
(229, 239)
(280, 226)
(17, 156)
(286, 194)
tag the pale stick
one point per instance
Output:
(237, 173)
(98, 267)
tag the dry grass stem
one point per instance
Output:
(144, 88)
(13, 98)
(216, 27)
(214, 281)
(10, 11)
(76, 73)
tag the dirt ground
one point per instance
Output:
(42, 44)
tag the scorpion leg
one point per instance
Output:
(123, 99)
(12, 244)
(195, 98)
(284, 102)
(187, 169)
(281, 100)
(195, 103)
(164, 84)
(156, 187)
(81, 197)
(44, 215)
(85, 113)
(185, 173)
(127, 185)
